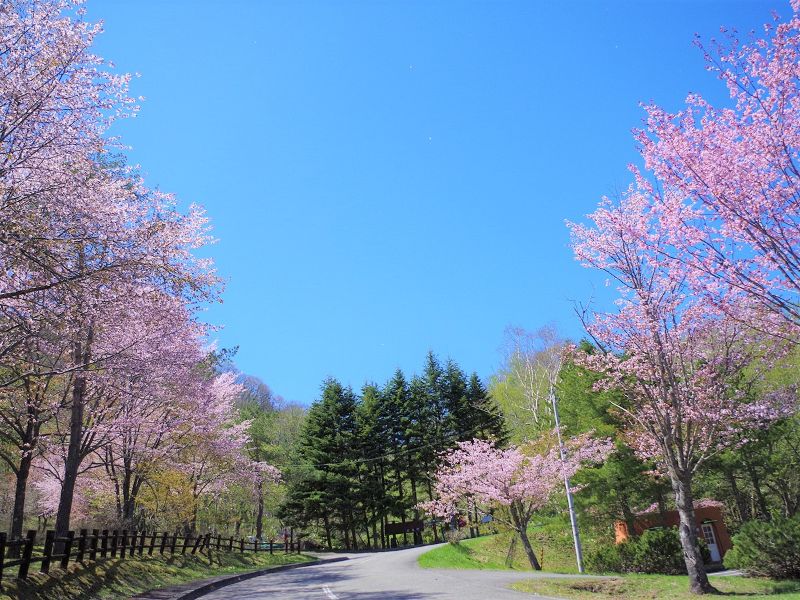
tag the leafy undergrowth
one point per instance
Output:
(551, 540)
(652, 587)
(116, 578)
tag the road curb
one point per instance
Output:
(197, 589)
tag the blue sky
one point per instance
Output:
(387, 178)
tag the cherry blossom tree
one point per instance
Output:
(692, 375)
(516, 479)
(57, 100)
(728, 195)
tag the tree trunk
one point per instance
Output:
(521, 525)
(81, 357)
(260, 513)
(510, 555)
(328, 533)
(430, 497)
(698, 579)
(73, 459)
(526, 544)
(18, 512)
(741, 504)
(763, 509)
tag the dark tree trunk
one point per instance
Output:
(521, 526)
(741, 503)
(526, 544)
(18, 512)
(73, 459)
(328, 533)
(430, 497)
(763, 509)
(260, 513)
(684, 502)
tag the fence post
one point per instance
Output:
(270, 546)
(81, 545)
(230, 543)
(142, 535)
(93, 544)
(27, 552)
(114, 542)
(134, 538)
(174, 541)
(67, 549)
(48, 550)
(197, 543)
(124, 543)
(163, 542)
(241, 545)
(219, 540)
(152, 543)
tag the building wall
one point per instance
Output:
(708, 514)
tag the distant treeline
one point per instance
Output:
(366, 459)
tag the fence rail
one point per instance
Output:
(97, 545)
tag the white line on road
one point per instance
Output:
(329, 593)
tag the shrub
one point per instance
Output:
(604, 559)
(767, 549)
(655, 551)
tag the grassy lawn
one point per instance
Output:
(116, 578)
(490, 552)
(651, 587)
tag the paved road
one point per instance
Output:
(377, 576)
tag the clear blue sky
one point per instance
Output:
(391, 177)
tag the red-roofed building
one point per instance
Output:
(710, 525)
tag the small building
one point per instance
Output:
(710, 525)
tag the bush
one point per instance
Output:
(655, 551)
(767, 549)
(604, 559)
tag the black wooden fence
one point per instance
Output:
(98, 545)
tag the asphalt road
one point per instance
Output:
(391, 575)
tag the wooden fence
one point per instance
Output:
(97, 545)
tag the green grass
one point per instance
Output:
(117, 578)
(652, 587)
(553, 547)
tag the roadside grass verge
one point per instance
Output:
(551, 540)
(117, 578)
(652, 587)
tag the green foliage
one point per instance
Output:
(604, 558)
(770, 549)
(655, 551)
(365, 461)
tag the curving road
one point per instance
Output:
(391, 575)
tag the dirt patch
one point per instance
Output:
(610, 587)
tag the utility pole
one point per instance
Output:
(576, 536)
